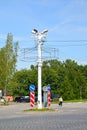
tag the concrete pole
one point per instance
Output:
(39, 73)
(39, 37)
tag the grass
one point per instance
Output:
(39, 110)
(76, 100)
(70, 101)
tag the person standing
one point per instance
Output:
(60, 101)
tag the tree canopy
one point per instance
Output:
(8, 59)
(67, 79)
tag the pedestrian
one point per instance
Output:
(60, 101)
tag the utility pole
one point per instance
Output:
(39, 37)
(81, 92)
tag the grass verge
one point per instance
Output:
(39, 110)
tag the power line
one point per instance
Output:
(67, 41)
(26, 40)
(81, 42)
(66, 45)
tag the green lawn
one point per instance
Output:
(67, 101)
(39, 110)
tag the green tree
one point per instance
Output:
(66, 89)
(8, 61)
(23, 79)
(67, 79)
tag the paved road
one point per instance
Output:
(72, 116)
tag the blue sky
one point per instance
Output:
(66, 20)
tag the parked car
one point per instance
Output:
(26, 99)
(18, 99)
(22, 99)
(36, 98)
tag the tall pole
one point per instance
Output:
(81, 92)
(39, 37)
(39, 74)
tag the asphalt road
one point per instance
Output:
(71, 116)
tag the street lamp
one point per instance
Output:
(39, 37)
(34, 31)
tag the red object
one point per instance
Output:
(48, 98)
(32, 101)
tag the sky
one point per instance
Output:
(66, 21)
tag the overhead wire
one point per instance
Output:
(48, 49)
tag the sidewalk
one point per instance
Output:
(22, 106)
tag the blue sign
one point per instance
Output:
(48, 87)
(32, 87)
